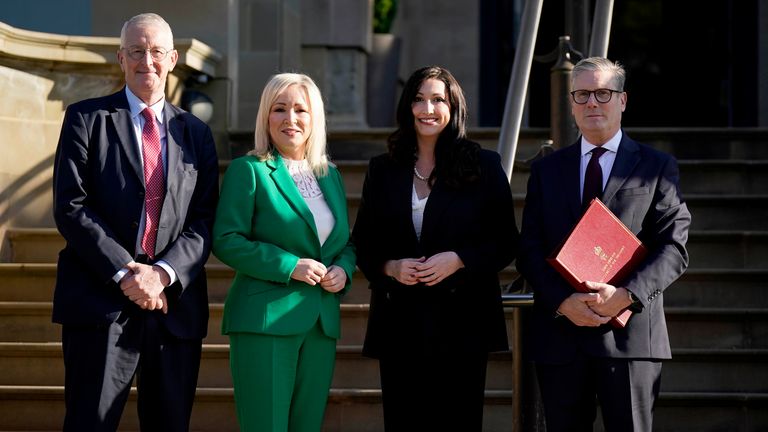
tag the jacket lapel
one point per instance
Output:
(439, 200)
(175, 139)
(627, 159)
(173, 177)
(121, 117)
(570, 165)
(287, 187)
(401, 199)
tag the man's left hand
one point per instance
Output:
(610, 300)
(144, 286)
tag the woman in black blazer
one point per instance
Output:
(435, 226)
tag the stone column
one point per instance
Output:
(335, 42)
(269, 43)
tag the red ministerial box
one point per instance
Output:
(599, 249)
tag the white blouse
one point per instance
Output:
(417, 211)
(307, 184)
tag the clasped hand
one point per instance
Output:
(429, 271)
(332, 279)
(144, 285)
(595, 308)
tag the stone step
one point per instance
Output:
(720, 287)
(716, 370)
(727, 370)
(689, 327)
(700, 176)
(717, 328)
(348, 410)
(359, 410)
(699, 411)
(35, 282)
(711, 211)
(31, 322)
(736, 412)
(683, 143)
(41, 363)
(727, 248)
(704, 176)
(724, 212)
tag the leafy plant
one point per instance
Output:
(383, 15)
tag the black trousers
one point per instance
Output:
(100, 363)
(444, 393)
(626, 390)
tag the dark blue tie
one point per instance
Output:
(593, 177)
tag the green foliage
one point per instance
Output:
(383, 15)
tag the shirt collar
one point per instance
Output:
(137, 105)
(611, 145)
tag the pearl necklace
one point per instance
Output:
(419, 176)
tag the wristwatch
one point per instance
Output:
(637, 305)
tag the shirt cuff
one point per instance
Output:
(120, 274)
(168, 269)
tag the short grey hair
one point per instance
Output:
(604, 65)
(145, 19)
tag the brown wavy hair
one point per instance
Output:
(456, 158)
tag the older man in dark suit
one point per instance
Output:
(580, 358)
(135, 190)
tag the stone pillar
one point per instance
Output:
(443, 33)
(269, 43)
(336, 40)
(762, 65)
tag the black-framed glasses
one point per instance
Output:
(601, 95)
(157, 53)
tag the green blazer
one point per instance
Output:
(262, 227)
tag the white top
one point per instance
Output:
(606, 160)
(417, 211)
(309, 189)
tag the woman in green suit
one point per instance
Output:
(282, 225)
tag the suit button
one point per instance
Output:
(134, 224)
(141, 194)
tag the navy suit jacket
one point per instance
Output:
(98, 194)
(643, 191)
(463, 313)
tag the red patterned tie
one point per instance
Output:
(154, 181)
(593, 178)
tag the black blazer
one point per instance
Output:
(98, 194)
(643, 191)
(463, 313)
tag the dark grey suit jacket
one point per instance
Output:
(98, 194)
(643, 191)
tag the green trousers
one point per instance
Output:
(282, 382)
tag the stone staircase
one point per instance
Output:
(717, 312)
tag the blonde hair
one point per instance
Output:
(315, 149)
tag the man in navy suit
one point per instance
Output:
(580, 358)
(135, 190)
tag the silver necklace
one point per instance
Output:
(419, 176)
